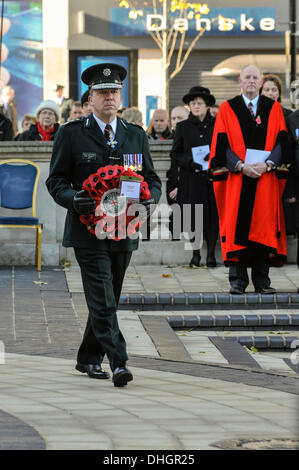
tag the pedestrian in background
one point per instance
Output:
(158, 128)
(6, 130)
(133, 115)
(272, 88)
(194, 186)
(9, 107)
(293, 127)
(178, 114)
(85, 104)
(63, 102)
(76, 111)
(47, 125)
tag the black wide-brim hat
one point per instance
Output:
(102, 76)
(200, 92)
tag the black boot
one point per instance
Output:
(211, 238)
(195, 260)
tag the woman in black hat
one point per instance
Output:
(194, 186)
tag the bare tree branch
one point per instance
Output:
(158, 35)
(180, 65)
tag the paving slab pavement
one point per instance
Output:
(158, 410)
(182, 279)
(174, 403)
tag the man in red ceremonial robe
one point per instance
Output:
(248, 192)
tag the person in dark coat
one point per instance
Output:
(6, 129)
(293, 127)
(9, 107)
(178, 114)
(272, 88)
(194, 186)
(47, 125)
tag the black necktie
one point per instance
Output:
(250, 106)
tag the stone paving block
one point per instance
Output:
(276, 342)
(236, 320)
(223, 298)
(261, 342)
(282, 320)
(123, 299)
(206, 320)
(135, 299)
(238, 299)
(251, 320)
(179, 299)
(294, 298)
(245, 341)
(289, 341)
(176, 321)
(267, 320)
(149, 299)
(191, 322)
(267, 299)
(222, 320)
(164, 298)
(193, 299)
(253, 298)
(208, 298)
(282, 298)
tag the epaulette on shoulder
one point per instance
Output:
(75, 121)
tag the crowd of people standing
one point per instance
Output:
(190, 126)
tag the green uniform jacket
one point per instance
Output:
(80, 149)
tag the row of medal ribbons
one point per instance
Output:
(132, 161)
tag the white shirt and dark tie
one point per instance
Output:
(103, 125)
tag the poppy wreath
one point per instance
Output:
(97, 184)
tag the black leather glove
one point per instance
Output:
(83, 204)
(195, 166)
(149, 206)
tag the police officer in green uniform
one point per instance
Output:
(80, 148)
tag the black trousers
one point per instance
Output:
(238, 275)
(102, 274)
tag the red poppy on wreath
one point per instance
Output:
(111, 219)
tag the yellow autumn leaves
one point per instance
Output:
(196, 9)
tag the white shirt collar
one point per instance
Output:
(253, 101)
(102, 124)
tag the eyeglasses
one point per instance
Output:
(198, 103)
(49, 113)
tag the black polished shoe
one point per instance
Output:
(195, 260)
(265, 290)
(121, 376)
(211, 261)
(94, 371)
(237, 290)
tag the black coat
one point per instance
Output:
(292, 187)
(194, 187)
(6, 130)
(33, 134)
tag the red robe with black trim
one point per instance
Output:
(250, 209)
